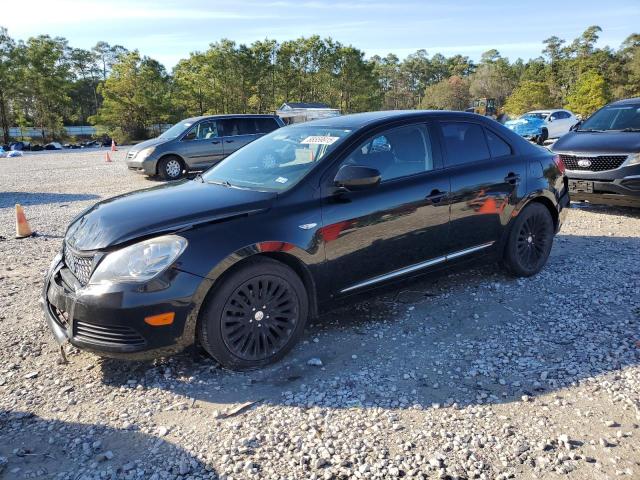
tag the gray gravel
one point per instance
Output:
(471, 374)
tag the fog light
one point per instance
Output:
(161, 319)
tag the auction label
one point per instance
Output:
(319, 140)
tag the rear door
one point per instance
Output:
(487, 179)
(238, 131)
(202, 146)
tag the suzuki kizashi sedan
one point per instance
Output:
(239, 258)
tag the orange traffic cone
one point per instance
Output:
(23, 229)
(113, 146)
(107, 158)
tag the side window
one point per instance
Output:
(497, 146)
(396, 153)
(464, 142)
(203, 131)
(247, 126)
(266, 125)
(230, 127)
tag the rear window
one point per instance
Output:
(266, 125)
(497, 146)
(464, 142)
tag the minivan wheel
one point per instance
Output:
(170, 168)
(255, 316)
(530, 241)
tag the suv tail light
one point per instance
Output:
(560, 164)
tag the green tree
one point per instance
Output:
(136, 97)
(8, 81)
(588, 94)
(529, 95)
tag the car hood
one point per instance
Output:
(153, 142)
(598, 142)
(161, 209)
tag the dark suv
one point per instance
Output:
(240, 257)
(602, 155)
(198, 143)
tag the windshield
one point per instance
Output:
(538, 115)
(279, 160)
(619, 117)
(176, 130)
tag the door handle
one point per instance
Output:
(229, 141)
(215, 142)
(512, 178)
(435, 196)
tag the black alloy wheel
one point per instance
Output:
(259, 317)
(530, 241)
(255, 315)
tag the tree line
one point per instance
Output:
(46, 83)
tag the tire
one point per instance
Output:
(544, 135)
(255, 316)
(170, 168)
(530, 241)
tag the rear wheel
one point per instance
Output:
(530, 241)
(170, 168)
(255, 316)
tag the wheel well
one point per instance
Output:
(180, 159)
(552, 210)
(289, 260)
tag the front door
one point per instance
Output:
(202, 146)
(392, 230)
(487, 179)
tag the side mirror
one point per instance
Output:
(357, 177)
(576, 126)
(190, 136)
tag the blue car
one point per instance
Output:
(529, 126)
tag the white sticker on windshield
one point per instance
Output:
(282, 180)
(319, 140)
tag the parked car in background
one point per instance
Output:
(239, 257)
(540, 125)
(602, 155)
(198, 143)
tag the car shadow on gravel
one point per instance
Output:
(32, 446)
(464, 336)
(9, 199)
(629, 212)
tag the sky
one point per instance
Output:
(169, 30)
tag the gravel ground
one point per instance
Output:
(470, 374)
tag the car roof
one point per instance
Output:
(357, 121)
(232, 115)
(626, 101)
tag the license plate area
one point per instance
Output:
(580, 186)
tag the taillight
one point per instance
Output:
(558, 161)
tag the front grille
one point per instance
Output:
(598, 163)
(80, 265)
(107, 334)
(130, 154)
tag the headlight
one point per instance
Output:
(634, 159)
(144, 153)
(139, 262)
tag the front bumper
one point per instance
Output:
(146, 166)
(109, 320)
(611, 187)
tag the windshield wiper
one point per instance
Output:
(588, 130)
(224, 183)
(199, 177)
(630, 129)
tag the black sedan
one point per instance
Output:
(240, 257)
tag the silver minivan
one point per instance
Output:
(198, 143)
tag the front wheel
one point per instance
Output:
(255, 316)
(170, 168)
(530, 241)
